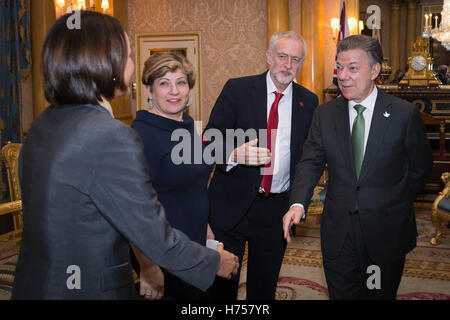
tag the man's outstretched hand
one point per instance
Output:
(249, 155)
(229, 263)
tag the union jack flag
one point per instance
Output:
(343, 33)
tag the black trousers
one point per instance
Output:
(262, 229)
(354, 275)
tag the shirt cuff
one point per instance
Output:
(231, 164)
(300, 205)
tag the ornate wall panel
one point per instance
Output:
(233, 36)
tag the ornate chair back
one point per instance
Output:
(10, 155)
(440, 210)
(10, 241)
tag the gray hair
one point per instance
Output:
(289, 35)
(369, 45)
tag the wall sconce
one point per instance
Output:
(105, 5)
(61, 4)
(335, 26)
(352, 25)
(80, 5)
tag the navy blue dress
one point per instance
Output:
(181, 188)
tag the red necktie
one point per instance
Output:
(272, 124)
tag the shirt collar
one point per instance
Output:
(271, 86)
(368, 102)
(105, 104)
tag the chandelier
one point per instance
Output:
(441, 33)
(81, 4)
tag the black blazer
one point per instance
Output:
(397, 163)
(86, 195)
(242, 104)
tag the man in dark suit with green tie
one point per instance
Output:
(378, 160)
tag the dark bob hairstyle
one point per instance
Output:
(80, 66)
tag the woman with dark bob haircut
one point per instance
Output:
(86, 190)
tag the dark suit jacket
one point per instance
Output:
(242, 104)
(397, 163)
(86, 194)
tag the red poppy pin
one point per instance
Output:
(301, 104)
(204, 140)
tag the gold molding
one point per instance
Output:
(421, 102)
(433, 106)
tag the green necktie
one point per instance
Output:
(358, 138)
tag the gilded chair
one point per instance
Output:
(10, 242)
(441, 208)
(10, 155)
(315, 208)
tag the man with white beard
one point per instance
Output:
(249, 190)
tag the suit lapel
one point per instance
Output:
(296, 121)
(259, 102)
(342, 128)
(378, 128)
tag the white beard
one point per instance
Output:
(284, 80)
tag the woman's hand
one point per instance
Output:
(152, 282)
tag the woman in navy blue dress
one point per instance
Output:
(181, 187)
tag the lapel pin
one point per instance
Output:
(301, 104)
(386, 115)
(203, 139)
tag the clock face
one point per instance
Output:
(418, 63)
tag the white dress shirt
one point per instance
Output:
(282, 163)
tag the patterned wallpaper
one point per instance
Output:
(233, 35)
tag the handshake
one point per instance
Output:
(229, 263)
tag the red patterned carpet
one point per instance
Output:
(426, 275)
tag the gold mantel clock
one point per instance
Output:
(420, 72)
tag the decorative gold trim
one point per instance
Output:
(10, 207)
(169, 49)
(421, 102)
(438, 214)
(15, 236)
(434, 102)
(10, 155)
